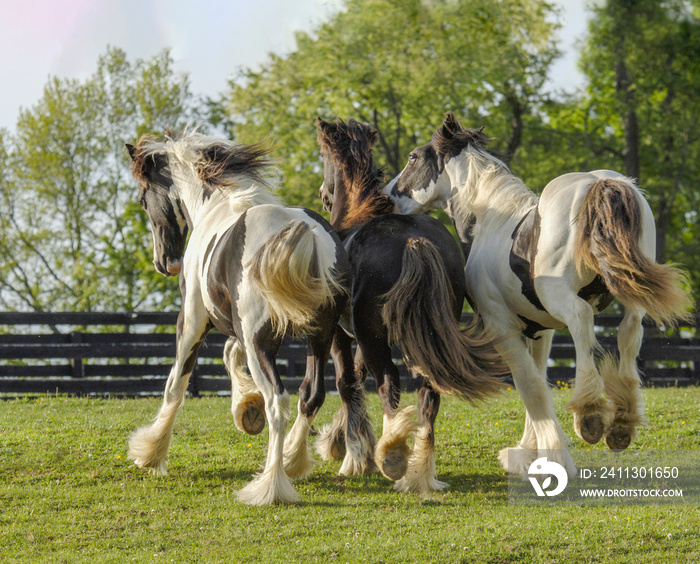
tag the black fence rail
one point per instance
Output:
(131, 353)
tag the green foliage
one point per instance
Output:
(399, 66)
(68, 493)
(70, 234)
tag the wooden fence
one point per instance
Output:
(130, 354)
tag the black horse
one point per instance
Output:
(408, 288)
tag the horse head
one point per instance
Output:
(158, 198)
(425, 182)
(351, 179)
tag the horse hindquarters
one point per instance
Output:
(290, 276)
(420, 314)
(610, 226)
(615, 238)
(301, 291)
(416, 315)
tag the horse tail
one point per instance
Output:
(417, 313)
(607, 242)
(294, 278)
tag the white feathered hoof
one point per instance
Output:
(392, 453)
(517, 460)
(249, 415)
(149, 449)
(270, 487)
(395, 461)
(330, 444)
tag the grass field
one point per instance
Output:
(68, 493)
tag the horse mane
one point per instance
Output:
(246, 170)
(490, 184)
(222, 163)
(143, 157)
(350, 145)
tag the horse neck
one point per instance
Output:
(360, 202)
(486, 189)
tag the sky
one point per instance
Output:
(208, 40)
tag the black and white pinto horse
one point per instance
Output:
(539, 264)
(407, 287)
(253, 269)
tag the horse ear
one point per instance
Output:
(373, 136)
(448, 126)
(132, 151)
(451, 122)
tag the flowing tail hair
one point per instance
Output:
(293, 278)
(607, 242)
(417, 313)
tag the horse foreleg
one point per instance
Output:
(622, 383)
(149, 445)
(350, 437)
(539, 349)
(272, 485)
(421, 475)
(247, 403)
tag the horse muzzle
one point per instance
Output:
(168, 267)
(175, 267)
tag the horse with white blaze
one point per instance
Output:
(256, 271)
(539, 264)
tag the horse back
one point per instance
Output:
(376, 250)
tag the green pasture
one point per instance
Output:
(68, 493)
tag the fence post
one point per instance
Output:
(194, 381)
(77, 362)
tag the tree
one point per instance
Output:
(398, 65)
(71, 235)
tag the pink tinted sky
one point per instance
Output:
(208, 40)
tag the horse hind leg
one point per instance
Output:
(622, 382)
(392, 452)
(247, 403)
(298, 461)
(591, 411)
(421, 475)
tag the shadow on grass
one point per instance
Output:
(492, 486)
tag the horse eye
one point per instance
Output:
(412, 158)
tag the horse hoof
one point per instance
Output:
(395, 462)
(618, 438)
(337, 447)
(253, 420)
(592, 428)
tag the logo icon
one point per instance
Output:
(544, 467)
